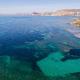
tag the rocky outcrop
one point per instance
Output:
(76, 22)
(72, 55)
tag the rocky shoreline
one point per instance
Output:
(76, 22)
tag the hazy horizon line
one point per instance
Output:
(28, 13)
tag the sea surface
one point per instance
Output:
(32, 47)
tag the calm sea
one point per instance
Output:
(27, 40)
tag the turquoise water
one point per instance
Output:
(33, 47)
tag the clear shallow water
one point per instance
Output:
(26, 42)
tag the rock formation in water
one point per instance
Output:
(72, 54)
(30, 53)
(76, 22)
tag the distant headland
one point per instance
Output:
(63, 12)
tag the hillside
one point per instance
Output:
(63, 12)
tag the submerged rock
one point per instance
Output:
(72, 54)
(53, 66)
(30, 53)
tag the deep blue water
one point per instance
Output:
(28, 38)
(18, 30)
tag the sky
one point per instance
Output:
(28, 6)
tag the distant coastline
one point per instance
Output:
(62, 12)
